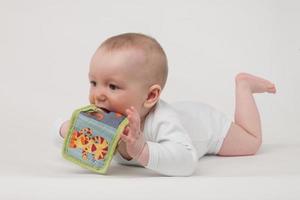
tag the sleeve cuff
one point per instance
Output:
(153, 155)
(123, 161)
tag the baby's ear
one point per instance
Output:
(153, 96)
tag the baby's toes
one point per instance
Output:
(271, 88)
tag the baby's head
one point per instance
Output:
(128, 70)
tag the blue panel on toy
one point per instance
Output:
(92, 135)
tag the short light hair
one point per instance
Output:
(155, 55)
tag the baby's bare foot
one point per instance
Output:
(256, 84)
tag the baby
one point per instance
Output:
(127, 75)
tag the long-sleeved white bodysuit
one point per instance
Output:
(179, 134)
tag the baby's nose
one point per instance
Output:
(101, 97)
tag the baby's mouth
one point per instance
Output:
(104, 109)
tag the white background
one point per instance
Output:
(46, 46)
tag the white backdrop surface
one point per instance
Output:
(45, 48)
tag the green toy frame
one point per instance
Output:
(111, 151)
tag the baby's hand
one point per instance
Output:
(64, 129)
(132, 135)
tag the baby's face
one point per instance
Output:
(116, 81)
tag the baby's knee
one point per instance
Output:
(240, 77)
(256, 146)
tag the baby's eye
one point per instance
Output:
(113, 87)
(93, 83)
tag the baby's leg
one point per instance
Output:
(244, 136)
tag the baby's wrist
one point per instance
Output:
(143, 157)
(138, 146)
(122, 151)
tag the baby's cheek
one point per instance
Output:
(119, 106)
(91, 99)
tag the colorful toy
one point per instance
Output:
(93, 137)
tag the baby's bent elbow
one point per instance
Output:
(193, 165)
(190, 164)
(187, 168)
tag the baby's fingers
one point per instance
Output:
(126, 131)
(133, 124)
(135, 114)
(126, 138)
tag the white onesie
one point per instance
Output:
(178, 134)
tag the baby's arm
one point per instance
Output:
(171, 154)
